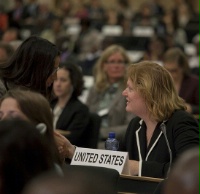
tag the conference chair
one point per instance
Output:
(91, 135)
(91, 179)
(75, 180)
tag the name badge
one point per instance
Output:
(103, 112)
(102, 158)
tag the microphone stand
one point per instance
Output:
(163, 128)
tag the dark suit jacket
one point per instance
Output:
(189, 91)
(74, 118)
(182, 133)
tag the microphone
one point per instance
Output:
(163, 128)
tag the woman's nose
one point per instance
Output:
(124, 93)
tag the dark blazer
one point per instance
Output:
(189, 91)
(182, 133)
(74, 118)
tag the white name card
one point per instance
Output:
(102, 158)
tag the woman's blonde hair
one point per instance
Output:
(156, 86)
(101, 79)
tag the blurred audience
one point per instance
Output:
(186, 84)
(182, 13)
(144, 16)
(88, 46)
(66, 45)
(6, 51)
(10, 34)
(64, 8)
(4, 23)
(171, 27)
(155, 49)
(44, 17)
(30, 12)
(54, 31)
(15, 14)
(194, 60)
(96, 13)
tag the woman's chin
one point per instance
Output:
(128, 109)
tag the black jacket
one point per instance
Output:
(182, 133)
(74, 118)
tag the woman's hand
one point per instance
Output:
(133, 167)
(65, 148)
(189, 108)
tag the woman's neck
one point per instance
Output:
(151, 125)
(177, 83)
(62, 101)
(113, 81)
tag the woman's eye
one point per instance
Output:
(130, 89)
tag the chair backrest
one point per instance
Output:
(92, 179)
(91, 135)
(76, 180)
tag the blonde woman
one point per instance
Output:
(105, 96)
(162, 129)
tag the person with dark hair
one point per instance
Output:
(68, 110)
(33, 66)
(24, 154)
(186, 84)
(32, 107)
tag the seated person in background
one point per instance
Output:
(194, 60)
(10, 34)
(186, 84)
(105, 96)
(184, 177)
(6, 51)
(33, 107)
(70, 114)
(24, 154)
(155, 49)
(161, 118)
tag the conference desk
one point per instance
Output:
(134, 184)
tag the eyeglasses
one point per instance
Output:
(116, 62)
